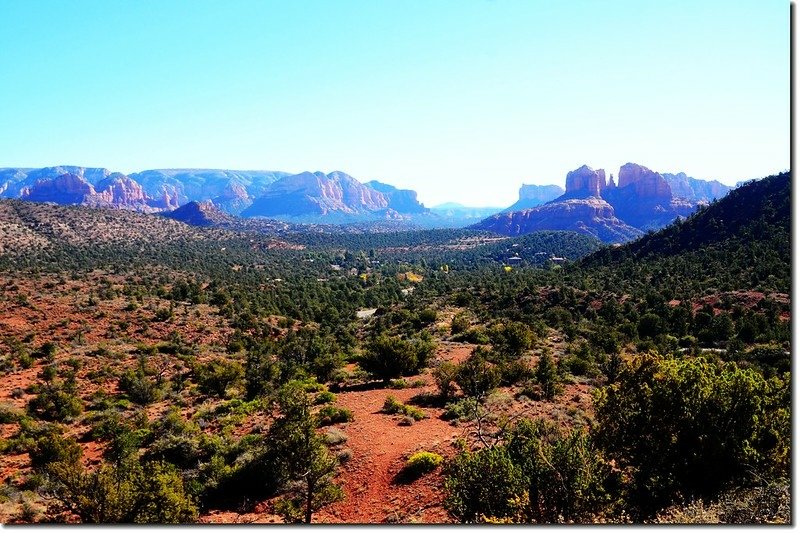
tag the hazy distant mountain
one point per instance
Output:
(694, 189)
(535, 195)
(401, 200)
(232, 190)
(643, 198)
(456, 210)
(14, 180)
(114, 190)
(336, 197)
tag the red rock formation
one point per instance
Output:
(586, 181)
(65, 189)
(647, 183)
(317, 194)
(120, 191)
(591, 216)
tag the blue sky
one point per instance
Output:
(461, 100)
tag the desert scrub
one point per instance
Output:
(398, 384)
(420, 464)
(393, 406)
(463, 409)
(324, 397)
(334, 437)
(330, 414)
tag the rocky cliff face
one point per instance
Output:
(306, 194)
(589, 216)
(585, 182)
(648, 184)
(206, 184)
(120, 191)
(315, 193)
(695, 190)
(641, 200)
(400, 200)
(234, 199)
(644, 199)
(65, 189)
(115, 190)
(535, 195)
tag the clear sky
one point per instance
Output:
(461, 100)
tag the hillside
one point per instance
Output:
(741, 242)
(200, 214)
(52, 236)
(758, 210)
(589, 216)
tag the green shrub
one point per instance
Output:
(393, 406)
(140, 387)
(334, 437)
(9, 414)
(324, 397)
(54, 403)
(482, 484)
(511, 339)
(515, 371)
(134, 493)
(392, 357)
(463, 409)
(445, 377)
(565, 476)
(421, 463)
(547, 376)
(698, 425)
(330, 414)
(52, 448)
(459, 324)
(476, 376)
(476, 335)
(398, 384)
(426, 316)
(214, 378)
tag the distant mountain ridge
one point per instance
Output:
(308, 196)
(642, 200)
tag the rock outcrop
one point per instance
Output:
(648, 184)
(535, 195)
(234, 198)
(644, 199)
(613, 212)
(200, 214)
(401, 200)
(589, 216)
(315, 193)
(585, 181)
(694, 189)
(120, 191)
(64, 189)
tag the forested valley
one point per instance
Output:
(155, 372)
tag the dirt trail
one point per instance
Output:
(380, 448)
